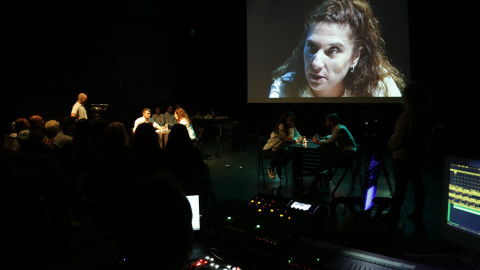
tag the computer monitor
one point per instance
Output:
(461, 202)
(195, 204)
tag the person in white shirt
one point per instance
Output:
(146, 118)
(78, 109)
(182, 118)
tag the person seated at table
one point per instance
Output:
(275, 149)
(182, 118)
(336, 149)
(146, 118)
(169, 116)
(158, 117)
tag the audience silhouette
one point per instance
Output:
(97, 170)
(184, 159)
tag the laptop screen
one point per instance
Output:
(195, 204)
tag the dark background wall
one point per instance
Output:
(136, 54)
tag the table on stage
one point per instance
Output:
(163, 137)
(305, 159)
(211, 122)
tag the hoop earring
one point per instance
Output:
(353, 69)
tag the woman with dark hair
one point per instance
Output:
(183, 118)
(341, 55)
(275, 149)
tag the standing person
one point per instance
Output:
(183, 118)
(146, 118)
(78, 109)
(337, 148)
(408, 152)
(275, 149)
(169, 116)
(341, 54)
(158, 117)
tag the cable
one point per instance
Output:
(212, 250)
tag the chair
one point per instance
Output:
(262, 169)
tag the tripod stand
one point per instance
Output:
(380, 169)
(371, 148)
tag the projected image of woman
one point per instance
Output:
(341, 55)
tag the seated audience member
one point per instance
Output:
(336, 149)
(96, 134)
(32, 143)
(62, 147)
(146, 118)
(158, 117)
(115, 139)
(275, 149)
(80, 147)
(146, 154)
(113, 169)
(183, 118)
(52, 128)
(64, 138)
(36, 197)
(152, 221)
(21, 125)
(10, 142)
(169, 116)
(185, 160)
(37, 125)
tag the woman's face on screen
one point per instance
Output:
(328, 55)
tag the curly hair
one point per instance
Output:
(373, 65)
(182, 114)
